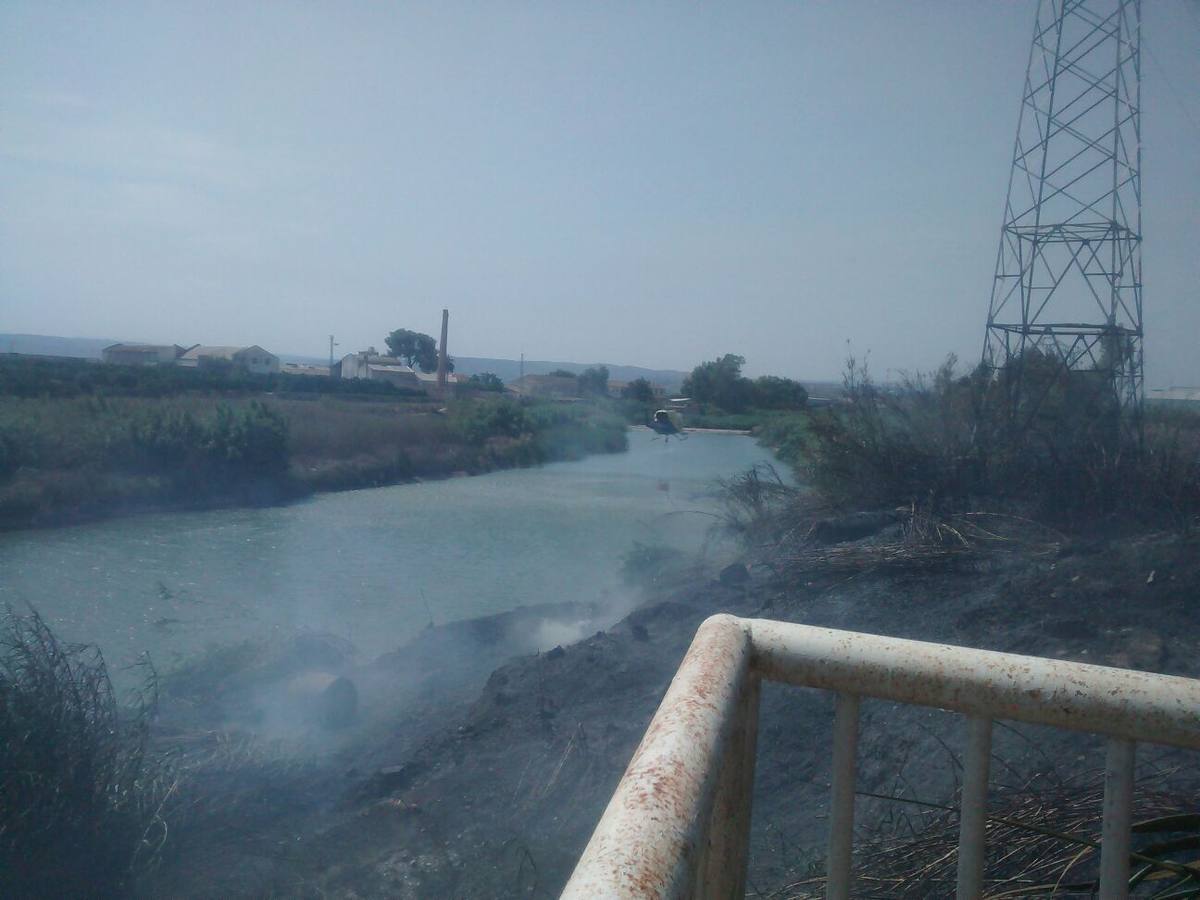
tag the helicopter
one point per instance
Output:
(667, 423)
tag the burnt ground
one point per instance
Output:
(470, 784)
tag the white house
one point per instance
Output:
(375, 367)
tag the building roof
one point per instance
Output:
(142, 348)
(372, 358)
(199, 352)
(399, 368)
(304, 369)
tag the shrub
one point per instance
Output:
(78, 816)
(477, 421)
(253, 439)
(947, 442)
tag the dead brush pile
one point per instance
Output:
(800, 535)
(1043, 840)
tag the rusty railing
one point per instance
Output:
(678, 824)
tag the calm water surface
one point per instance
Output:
(373, 566)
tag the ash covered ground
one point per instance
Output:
(481, 758)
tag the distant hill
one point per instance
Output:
(48, 345)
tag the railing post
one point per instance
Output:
(1118, 813)
(841, 800)
(723, 869)
(973, 808)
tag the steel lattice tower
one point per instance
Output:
(1068, 283)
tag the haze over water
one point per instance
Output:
(371, 565)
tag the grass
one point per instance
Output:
(65, 459)
(81, 795)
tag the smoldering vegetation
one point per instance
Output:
(199, 781)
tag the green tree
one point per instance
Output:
(416, 349)
(486, 381)
(563, 373)
(640, 390)
(720, 383)
(594, 381)
(773, 392)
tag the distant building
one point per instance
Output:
(253, 359)
(142, 354)
(615, 389)
(373, 366)
(1175, 394)
(429, 380)
(546, 386)
(304, 369)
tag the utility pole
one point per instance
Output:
(1067, 293)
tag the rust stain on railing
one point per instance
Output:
(678, 823)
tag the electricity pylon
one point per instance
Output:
(1068, 285)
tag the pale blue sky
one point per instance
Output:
(646, 183)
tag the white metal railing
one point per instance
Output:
(678, 824)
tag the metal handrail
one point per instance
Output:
(678, 824)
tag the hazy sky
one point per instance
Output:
(646, 183)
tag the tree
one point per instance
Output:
(640, 390)
(486, 381)
(562, 373)
(773, 392)
(594, 381)
(416, 349)
(720, 383)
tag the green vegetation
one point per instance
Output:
(485, 381)
(593, 381)
(81, 796)
(639, 390)
(954, 441)
(24, 377)
(720, 383)
(725, 399)
(416, 349)
(69, 458)
(948, 443)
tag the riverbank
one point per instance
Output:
(457, 782)
(65, 460)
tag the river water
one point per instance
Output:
(373, 566)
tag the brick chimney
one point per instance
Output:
(442, 351)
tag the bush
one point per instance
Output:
(947, 442)
(253, 439)
(78, 816)
(477, 421)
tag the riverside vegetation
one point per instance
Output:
(80, 441)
